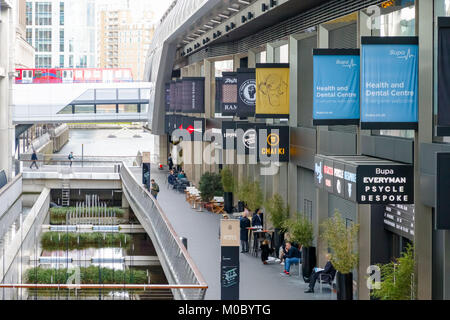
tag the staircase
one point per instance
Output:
(65, 193)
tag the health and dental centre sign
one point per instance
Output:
(365, 180)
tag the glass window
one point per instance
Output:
(144, 108)
(145, 94)
(106, 108)
(223, 66)
(284, 54)
(128, 94)
(128, 108)
(67, 110)
(61, 61)
(106, 94)
(87, 96)
(43, 40)
(61, 13)
(89, 108)
(61, 40)
(43, 61)
(29, 13)
(30, 36)
(43, 14)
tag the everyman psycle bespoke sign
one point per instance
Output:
(365, 180)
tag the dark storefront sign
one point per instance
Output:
(172, 95)
(336, 86)
(443, 118)
(178, 95)
(218, 97)
(229, 103)
(442, 191)
(246, 85)
(365, 180)
(193, 95)
(229, 133)
(167, 96)
(275, 146)
(229, 259)
(399, 219)
(389, 82)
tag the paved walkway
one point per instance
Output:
(258, 281)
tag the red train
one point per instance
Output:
(72, 75)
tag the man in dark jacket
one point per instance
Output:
(257, 219)
(328, 272)
(170, 161)
(244, 224)
(34, 159)
(292, 256)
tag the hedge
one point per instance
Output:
(58, 214)
(62, 240)
(88, 275)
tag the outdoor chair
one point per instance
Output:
(326, 279)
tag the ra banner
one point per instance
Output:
(443, 118)
(229, 103)
(389, 82)
(193, 95)
(272, 90)
(246, 83)
(336, 86)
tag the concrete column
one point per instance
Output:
(364, 250)
(321, 216)
(423, 215)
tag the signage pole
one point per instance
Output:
(229, 263)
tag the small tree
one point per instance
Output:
(210, 185)
(342, 242)
(301, 230)
(397, 278)
(227, 180)
(251, 194)
(278, 212)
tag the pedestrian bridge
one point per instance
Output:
(80, 102)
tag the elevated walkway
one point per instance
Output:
(80, 102)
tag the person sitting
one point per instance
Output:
(182, 175)
(329, 271)
(171, 178)
(292, 256)
(266, 250)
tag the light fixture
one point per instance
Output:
(197, 35)
(185, 41)
(207, 26)
(233, 9)
(200, 30)
(243, 19)
(189, 38)
(214, 21)
(250, 15)
(223, 16)
(244, 2)
(273, 3)
(264, 7)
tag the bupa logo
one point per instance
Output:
(402, 54)
(350, 64)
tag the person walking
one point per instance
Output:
(244, 224)
(34, 158)
(154, 188)
(170, 161)
(70, 157)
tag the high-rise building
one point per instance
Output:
(62, 32)
(124, 38)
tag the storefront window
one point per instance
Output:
(284, 54)
(106, 108)
(397, 18)
(223, 66)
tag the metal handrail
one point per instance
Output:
(163, 231)
(100, 286)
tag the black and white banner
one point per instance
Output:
(246, 84)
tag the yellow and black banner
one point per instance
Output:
(272, 90)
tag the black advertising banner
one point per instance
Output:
(229, 103)
(229, 131)
(167, 96)
(275, 146)
(172, 96)
(229, 273)
(178, 95)
(385, 184)
(338, 185)
(443, 118)
(399, 219)
(442, 191)
(247, 137)
(350, 182)
(195, 126)
(246, 83)
(218, 98)
(193, 95)
(328, 175)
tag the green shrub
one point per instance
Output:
(342, 242)
(251, 194)
(397, 278)
(278, 212)
(227, 180)
(71, 240)
(301, 230)
(88, 275)
(58, 214)
(210, 186)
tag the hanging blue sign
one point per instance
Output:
(389, 82)
(336, 86)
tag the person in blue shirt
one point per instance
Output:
(182, 175)
(292, 256)
(34, 158)
(171, 178)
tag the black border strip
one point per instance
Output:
(336, 52)
(229, 74)
(442, 131)
(443, 22)
(272, 65)
(389, 125)
(335, 122)
(193, 78)
(274, 116)
(246, 70)
(389, 40)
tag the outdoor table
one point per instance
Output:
(254, 239)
